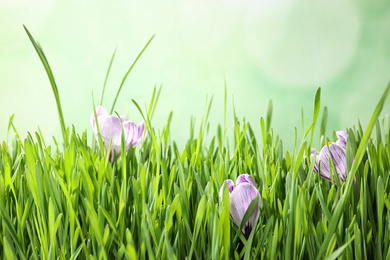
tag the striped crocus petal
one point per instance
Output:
(131, 133)
(110, 127)
(140, 134)
(338, 155)
(342, 137)
(240, 199)
(134, 134)
(111, 130)
(230, 185)
(100, 113)
(246, 178)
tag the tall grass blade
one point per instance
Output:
(52, 82)
(127, 73)
(105, 80)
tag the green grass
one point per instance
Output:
(158, 201)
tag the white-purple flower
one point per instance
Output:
(110, 127)
(241, 195)
(338, 152)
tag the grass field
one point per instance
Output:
(156, 201)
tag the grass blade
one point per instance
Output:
(127, 73)
(105, 80)
(52, 82)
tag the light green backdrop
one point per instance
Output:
(279, 50)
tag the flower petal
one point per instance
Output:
(240, 199)
(141, 134)
(230, 185)
(130, 130)
(338, 155)
(100, 112)
(246, 178)
(111, 130)
(342, 138)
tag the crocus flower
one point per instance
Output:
(110, 127)
(241, 195)
(338, 152)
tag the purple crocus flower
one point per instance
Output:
(110, 127)
(338, 152)
(241, 195)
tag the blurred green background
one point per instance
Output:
(279, 50)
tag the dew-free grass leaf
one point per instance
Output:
(225, 220)
(317, 106)
(269, 116)
(275, 241)
(248, 246)
(105, 80)
(95, 227)
(108, 218)
(380, 206)
(128, 71)
(76, 253)
(198, 220)
(339, 250)
(299, 157)
(8, 249)
(49, 72)
(323, 122)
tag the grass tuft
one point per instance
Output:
(160, 201)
